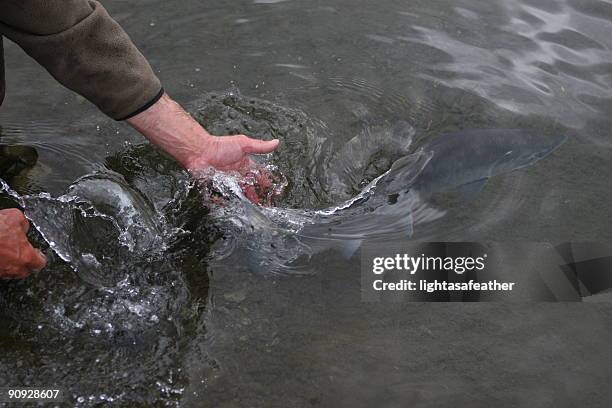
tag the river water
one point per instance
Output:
(165, 291)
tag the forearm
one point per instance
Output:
(174, 131)
(167, 125)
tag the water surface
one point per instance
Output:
(166, 292)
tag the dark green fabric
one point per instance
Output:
(84, 49)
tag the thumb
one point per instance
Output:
(254, 146)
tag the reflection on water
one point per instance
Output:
(396, 120)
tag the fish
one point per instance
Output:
(397, 200)
(471, 157)
(284, 240)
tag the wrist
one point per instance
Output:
(195, 156)
(174, 131)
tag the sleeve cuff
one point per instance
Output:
(145, 106)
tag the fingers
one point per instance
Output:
(24, 223)
(18, 258)
(12, 213)
(15, 217)
(254, 146)
(20, 273)
(37, 260)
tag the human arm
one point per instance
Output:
(87, 51)
(168, 126)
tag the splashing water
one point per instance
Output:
(97, 208)
(115, 243)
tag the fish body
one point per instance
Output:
(471, 156)
(396, 201)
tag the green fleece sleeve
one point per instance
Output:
(85, 50)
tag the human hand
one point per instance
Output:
(18, 258)
(228, 153)
(168, 126)
(232, 154)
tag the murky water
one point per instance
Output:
(167, 291)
